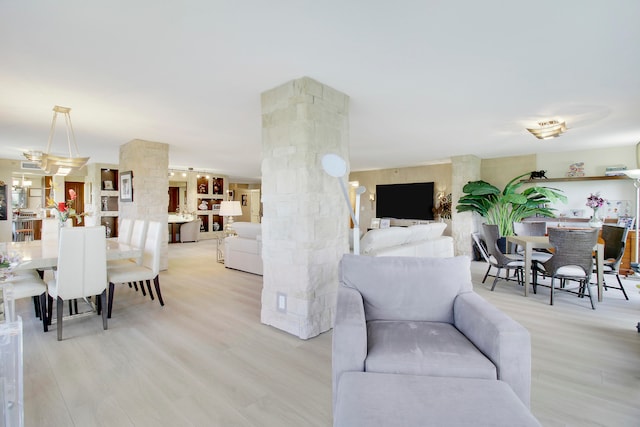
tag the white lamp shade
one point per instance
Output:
(230, 208)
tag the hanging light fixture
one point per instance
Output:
(51, 163)
(549, 129)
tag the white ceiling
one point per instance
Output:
(427, 79)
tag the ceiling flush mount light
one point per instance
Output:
(549, 129)
(51, 163)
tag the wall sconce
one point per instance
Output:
(372, 199)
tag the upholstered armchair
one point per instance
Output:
(190, 231)
(420, 316)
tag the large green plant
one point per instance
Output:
(505, 207)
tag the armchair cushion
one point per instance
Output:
(400, 347)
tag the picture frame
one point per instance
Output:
(126, 186)
(626, 221)
(35, 192)
(4, 196)
(244, 200)
(108, 185)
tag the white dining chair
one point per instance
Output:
(137, 233)
(81, 271)
(148, 270)
(25, 284)
(124, 230)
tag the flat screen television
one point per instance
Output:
(405, 201)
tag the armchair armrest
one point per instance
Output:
(349, 347)
(503, 340)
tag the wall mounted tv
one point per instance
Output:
(405, 201)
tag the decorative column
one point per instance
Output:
(305, 222)
(149, 163)
(463, 169)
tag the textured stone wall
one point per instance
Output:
(149, 162)
(305, 222)
(463, 170)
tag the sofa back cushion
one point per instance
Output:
(406, 288)
(420, 232)
(247, 230)
(383, 238)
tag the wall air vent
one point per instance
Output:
(30, 166)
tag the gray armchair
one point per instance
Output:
(420, 316)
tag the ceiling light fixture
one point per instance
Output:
(549, 129)
(51, 163)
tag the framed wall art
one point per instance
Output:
(3, 201)
(126, 186)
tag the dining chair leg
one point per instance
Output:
(112, 288)
(43, 311)
(495, 280)
(49, 309)
(59, 308)
(486, 274)
(148, 287)
(99, 304)
(36, 306)
(144, 293)
(103, 301)
(586, 284)
(622, 287)
(156, 282)
(552, 285)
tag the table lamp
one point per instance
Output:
(230, 209)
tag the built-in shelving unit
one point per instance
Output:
(103, 182)
(578, 178)
(210, 193)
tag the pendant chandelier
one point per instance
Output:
(55, 164)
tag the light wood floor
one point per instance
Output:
(206, 360)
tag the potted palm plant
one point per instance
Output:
(505, 207)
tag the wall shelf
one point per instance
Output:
(578, 178)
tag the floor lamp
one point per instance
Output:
(635, 174)
(336, 167)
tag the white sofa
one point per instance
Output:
(422, 240)
(244, 250)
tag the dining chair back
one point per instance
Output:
(25, 284)
(125, 229)
(530, 228)
(50, 229)
(138, 236)
(81, 270)
(153, 242)
(147, 270)
(572, 259)
(502, 261)
(615, 240)
(23, 228)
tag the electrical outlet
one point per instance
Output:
(282, 302)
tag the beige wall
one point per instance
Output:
(439, 174)
(500, 171)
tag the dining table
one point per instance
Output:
(529, 243)
(44, 253)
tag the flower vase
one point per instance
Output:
(595, 221)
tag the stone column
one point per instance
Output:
(305, 223)
(149, 163)
(463, 170)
